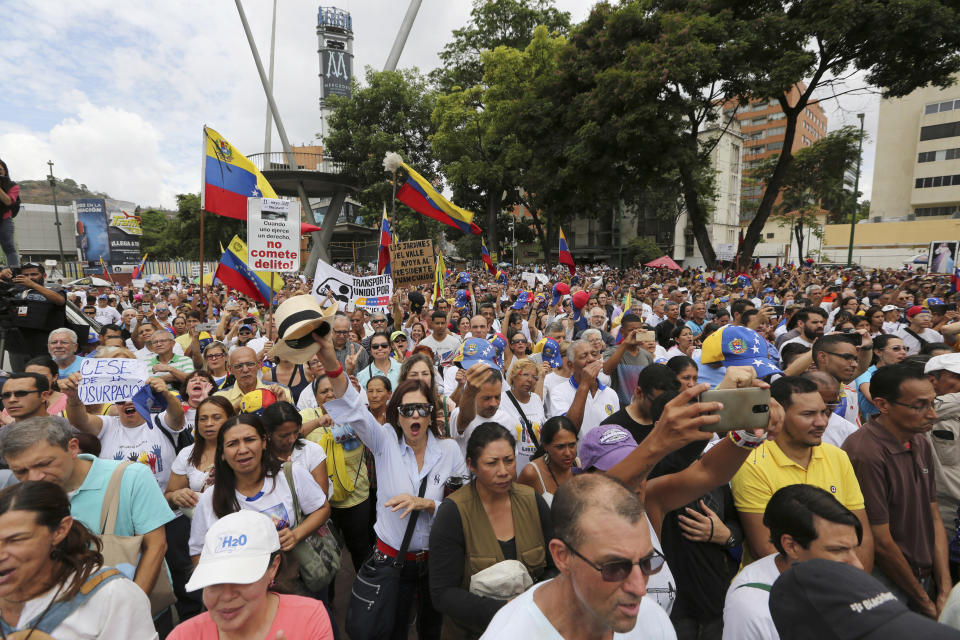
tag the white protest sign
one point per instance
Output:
(110, 379)
(532, 278)
(273, 234)
(372, 293)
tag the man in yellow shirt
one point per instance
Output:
(244, 365)
(796, 456)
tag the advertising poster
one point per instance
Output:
(124, 231)
(943, 256)
(411, 263)
(273, 235)
(93, 242)
(372, 293)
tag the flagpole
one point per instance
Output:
(201, 263)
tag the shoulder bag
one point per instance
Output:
(319, 553)
(125, 550)
(526, 422)
(373, 598)
(339, 477)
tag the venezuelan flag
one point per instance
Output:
(137, 270)
(383, 258)
(627, 305)
(234, 272)
(485, 256)
(418, 194)
(565, 257)
(438, 281)
(229, 178)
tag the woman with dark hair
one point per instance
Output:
(490, 520)
(553, 461)
(9, 201)
(54, 583)
(282, 422)
(380, 364)
(874, 315)
(215, 361)
(196, 388)
(413, 464)
(887, 349)
(420, 367)
(686, 369)
(682, 342)
(248, 476)
(191, 473)
(518, 347)
(378, 396)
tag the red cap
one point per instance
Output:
(915, 309)
(580, 299)
(562, 288)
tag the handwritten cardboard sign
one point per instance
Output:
(111, 379)
(412, 263)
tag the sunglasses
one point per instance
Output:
(619, 570)
(380, 345)
(19, 393)
(409, 410)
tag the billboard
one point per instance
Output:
(942, 257)
(336, 69)
(107, 230)
(124, 230)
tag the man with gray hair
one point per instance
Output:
(62, 346)
(602, 548)
(45, 448)
(583, 398)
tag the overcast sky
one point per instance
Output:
(116, 93)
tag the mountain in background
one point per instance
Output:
(39, 192)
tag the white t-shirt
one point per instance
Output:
(256, 344)
(838, 428)
(196, 479)
(501, 417)
(798, 340)
(597, 408)
(274, 500)
(912, 344)
(144, 443)
(552, 380)
(107, 315)
(118, 609)
(533, 410)
(442, 348)
(521, 618)
(746, 610)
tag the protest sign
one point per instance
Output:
(110, 379)
(412, 262)
(532, 278)
(273, 234)
(372, 293)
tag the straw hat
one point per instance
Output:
(297, 318)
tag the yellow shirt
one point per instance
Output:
(768, 469)
(184, 341)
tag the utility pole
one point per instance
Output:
(856, 189)
(402, 34)
(56, 214)
(273, 44)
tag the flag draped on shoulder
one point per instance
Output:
(418, 194)
(485, 256)
(234, 272)
(438, 280)
(565, 257)
(229, 178)
(383, 257)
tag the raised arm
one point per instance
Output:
(76, 411)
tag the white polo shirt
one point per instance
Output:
(746, 610)
(598, 407)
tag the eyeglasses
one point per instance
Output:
(341, 332)
(619, 570)
(245, 365)
(378, 321)
(19, 393)
(380, 345)
(211, 356)
(923, 407)
(409, 410)
(849, 357)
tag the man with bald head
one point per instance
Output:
(479, 328)
(838, 427)
(343, 346)
(603, 551)
(245, 368)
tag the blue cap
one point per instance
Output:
(461, 297)
(734, 345)
(522, 300)
(476, 350)
(463, 277)
(551, 353)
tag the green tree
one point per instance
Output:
(158, 239)
(492, 24)
(391, 112)
(179, 238)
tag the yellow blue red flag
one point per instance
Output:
(229, 178)
(418, 194)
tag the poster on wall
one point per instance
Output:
(93, 242)
(943, 256)
(124, 231)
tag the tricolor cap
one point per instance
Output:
(476, 350)
(550, 352)
(499, 343)
(540, 301)
(522, 299)
(463, 277)
(734, 345)
(256, 401)
(236, 550)
(204, 338)
(461, 298)
(932, 301)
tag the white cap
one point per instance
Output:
(948, 361)
(236, 550)
(890, 307)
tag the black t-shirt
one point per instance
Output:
(673, 462)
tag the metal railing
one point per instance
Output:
(277, 161)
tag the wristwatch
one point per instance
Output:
(731, 542)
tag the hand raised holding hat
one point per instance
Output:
(477, 375)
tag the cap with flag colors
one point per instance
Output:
(522, 299)
(418, 194)
(383, 257)
(256, 401)
(565, 257)
(550, 352)
(734, 345)
(476, 350)
(485, 257)
(234, 272)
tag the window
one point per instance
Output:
(776, 116)
(758, 121)
(805, 140)
(769, 236)
(936, 211)
(937, 181)
(937, 131)
(773, 146)
(776, 131)
(946, 106)
(930, 108)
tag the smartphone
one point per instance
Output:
(145, 308)
(778, 309)
(207, 326)
(742, 408)
(646, 336)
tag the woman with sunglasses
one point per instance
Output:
(215, 361)
(887, 349)
(381, 363)
(490, 520)
(399, 343)
(518, 347)
(419, 366)
(410, 454)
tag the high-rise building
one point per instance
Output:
(335, 47)
(916, 170)
(764, 124)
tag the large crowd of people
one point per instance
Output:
(525, 455)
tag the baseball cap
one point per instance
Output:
(605, 446)
(579, 299)
(550, 352)
(102, 296)
(738, 346)
(932, 301)
(476, 350)
(947, 362)
(915, 310)
(825, 600)
(256, 401)
(236, 550)
(889, 307)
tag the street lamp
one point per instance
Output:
(56, 214)
(856, 190)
